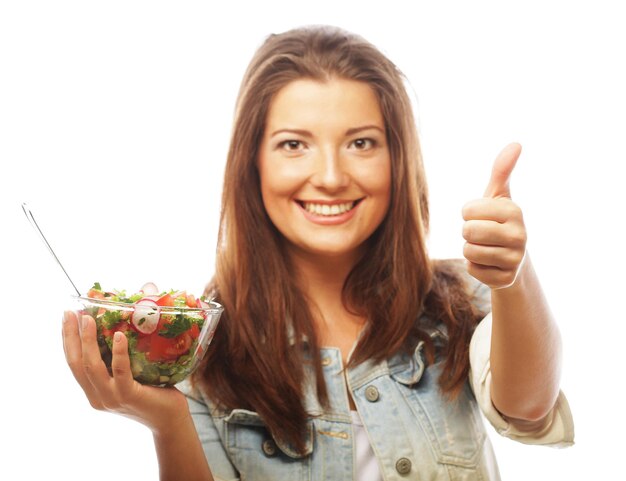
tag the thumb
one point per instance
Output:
(501, 171)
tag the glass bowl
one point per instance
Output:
(165, 342)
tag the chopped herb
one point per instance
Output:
(180, 301)
(110, 318)
(96, 285)
(180, 324)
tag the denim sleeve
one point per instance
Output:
(217, 457)
(480, 293)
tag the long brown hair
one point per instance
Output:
(257, 357)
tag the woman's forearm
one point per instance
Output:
(525, 349)
(180, 454)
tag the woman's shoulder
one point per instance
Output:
(196, 395)
(190, 390)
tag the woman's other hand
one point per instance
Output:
(494, 227)
(525, 352)
(157, 408)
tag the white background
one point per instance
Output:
(114, 124)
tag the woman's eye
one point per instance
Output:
(362, 144)
(291, 145)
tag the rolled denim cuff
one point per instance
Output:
(557, 430)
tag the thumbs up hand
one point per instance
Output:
(494, 227)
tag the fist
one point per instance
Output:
(494, 229)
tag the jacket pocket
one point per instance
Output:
(454, 428)
(259, 456)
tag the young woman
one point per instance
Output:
(344, 351)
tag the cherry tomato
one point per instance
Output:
(190, 300)
(143, 343)
(165, 300)
(121, 326)
(95, 294)
(194, 332)
(168, 349)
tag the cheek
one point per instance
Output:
(379, 186)
(376, 180)
(275, 189)
(383, 184)
(278, 179)
(276, 193)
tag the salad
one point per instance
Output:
(164, 330)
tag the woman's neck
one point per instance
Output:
(322, 280)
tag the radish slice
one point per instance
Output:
(201, 304)
(146, 316)
(150, 298)
(150, 289)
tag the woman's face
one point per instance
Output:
(324, 166)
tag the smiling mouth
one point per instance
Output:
(328, 209)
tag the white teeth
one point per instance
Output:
(325, 209)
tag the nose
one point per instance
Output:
(330, 172)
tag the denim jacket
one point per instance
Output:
(415, 432)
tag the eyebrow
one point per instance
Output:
(306, 133)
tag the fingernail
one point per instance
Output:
(83, 322)
(64, 318)
(117, 337)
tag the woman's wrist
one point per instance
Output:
(173, 426)
(170, 420)
(179, 451)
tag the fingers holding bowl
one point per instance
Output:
(73, 348)
(120, 366)
(93, 365)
